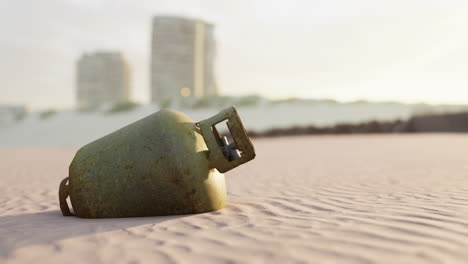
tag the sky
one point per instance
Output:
(378, 50)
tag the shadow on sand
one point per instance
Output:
(23, 230)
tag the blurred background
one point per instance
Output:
(72, 71)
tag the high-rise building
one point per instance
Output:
(102, 78)
(182, 59)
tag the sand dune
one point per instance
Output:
(327, 199)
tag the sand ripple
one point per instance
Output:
(362, 199)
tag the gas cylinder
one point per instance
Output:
(163, 164)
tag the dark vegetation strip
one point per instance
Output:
(454, 122)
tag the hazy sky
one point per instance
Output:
(406, 50)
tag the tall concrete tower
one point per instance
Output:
(182, 59)
(102, 78)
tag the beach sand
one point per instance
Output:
(311, 199)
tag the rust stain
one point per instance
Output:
(177, 180)
(189, 195)
(148, 148)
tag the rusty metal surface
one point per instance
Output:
(217, 159)
(156, 166)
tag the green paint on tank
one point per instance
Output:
(159, 165)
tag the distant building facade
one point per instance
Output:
(182, 59)
(102, 78)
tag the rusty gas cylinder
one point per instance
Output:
(163, 164)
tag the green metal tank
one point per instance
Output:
(164, 164)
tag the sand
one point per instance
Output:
(323, 199)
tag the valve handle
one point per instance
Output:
(222, 155)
